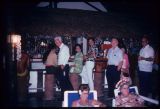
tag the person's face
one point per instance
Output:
(78, 49)
(144, 42)
(57, 42)
(91, 42)
(85, 94)
(114, 42)
(125, 90)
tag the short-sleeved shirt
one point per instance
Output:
(146, 52)
(63, 55)
(114, 56)
(92, 49)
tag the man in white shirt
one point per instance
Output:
(114, 65)
(145, 64)
(62, 74)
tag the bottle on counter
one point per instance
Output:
(104, 54)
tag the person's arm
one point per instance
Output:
(118, 102)
(150, 58)
(127, 62)
(146, 59)
(121, 61)
(140, 100)
(119, 65)
(108, 56)
(95, 52)
(96, 102)
(71, 58)
(118, 83)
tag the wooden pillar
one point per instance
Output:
(100, 66)
(49, 87)
(98, 80)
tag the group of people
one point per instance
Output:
(70, 77)
(58, 65)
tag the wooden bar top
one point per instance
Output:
(101, 59)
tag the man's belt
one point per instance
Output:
(113, 65)
(90, 59)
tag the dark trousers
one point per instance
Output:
(113, 76)
(63, 80)
(145, 82)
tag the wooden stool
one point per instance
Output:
(49, 87)
(99, 75)
(75, 80)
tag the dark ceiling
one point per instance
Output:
(141, 8)
(111, 5)
(130, 6)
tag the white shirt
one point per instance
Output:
(114, 56)
(146, 52)
(63, 55)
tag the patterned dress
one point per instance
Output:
(132, 100)
(78, 61)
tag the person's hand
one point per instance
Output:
(95, 102)
(118, 68)
(62, 67)
(73, 65)
(71, 57)
(94, 54)
(85, 57)
(141, 58)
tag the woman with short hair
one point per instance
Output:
(127, 99)
(76, 69)
(84, 101)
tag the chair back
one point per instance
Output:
(70, 96)
(132, 89)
